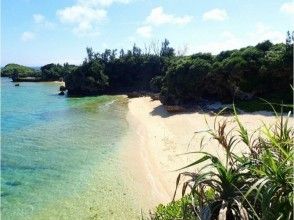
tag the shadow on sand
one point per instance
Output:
(162, 112)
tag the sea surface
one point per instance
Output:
(59, 155)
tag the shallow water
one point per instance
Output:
(59, 156)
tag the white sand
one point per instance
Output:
(61, 83)
(158, 138)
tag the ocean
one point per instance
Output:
(60, 156)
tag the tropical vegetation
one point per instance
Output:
(257, 184)
(16, 70)
(264, 70)
(53, 72)
(261, 71)
(49, 72)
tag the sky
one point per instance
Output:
(38, 32)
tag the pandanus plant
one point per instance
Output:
(273, 174)
(254, 185)
(227, 179)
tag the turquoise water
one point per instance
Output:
(59, 155)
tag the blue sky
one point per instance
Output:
(35, 32)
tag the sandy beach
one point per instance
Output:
(61, 83)
(159, 137)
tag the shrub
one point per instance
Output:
(180, 209)
(257, 184)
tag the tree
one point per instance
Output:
(51, 72)
(183, 80)
(264, 46)
(88, 79)
(254, 71)
(90, 53)
(166, 51)
(18, 70)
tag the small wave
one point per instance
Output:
(107, 105)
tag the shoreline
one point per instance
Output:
(157, 138)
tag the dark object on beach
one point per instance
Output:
(61, 93)
(154, 96)
(134, 94)
(62, 88)
(174, 108)
(17, 84)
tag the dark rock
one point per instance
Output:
(17, 84)
(134, 95)
(62, 88)
(61, 93)
(154, 96)
(174, 108)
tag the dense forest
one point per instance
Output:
(264, 70)
(49, 72)
(16, 70)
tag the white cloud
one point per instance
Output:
(41, 20)
(215, 15)
(288, 8)
(38, 18)
(264, 32)
(83, 18)
(81, 14)
(229, 41)
(86, 16)
(103, 3)
(159, 17)
(145, 31)
(27, 36)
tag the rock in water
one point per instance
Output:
(62, 88)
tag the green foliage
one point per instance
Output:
(184, 78)
(133, 71)
(16, 70)
(253, 71)
(180, 209)
(237, 75)
(51, 72)
(227, 179)
(264, 46)
(273, 176)
(156, 83)
(253, 185)
(130, 71)
(88, 79)
(166, 51)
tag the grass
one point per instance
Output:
(255, 185)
